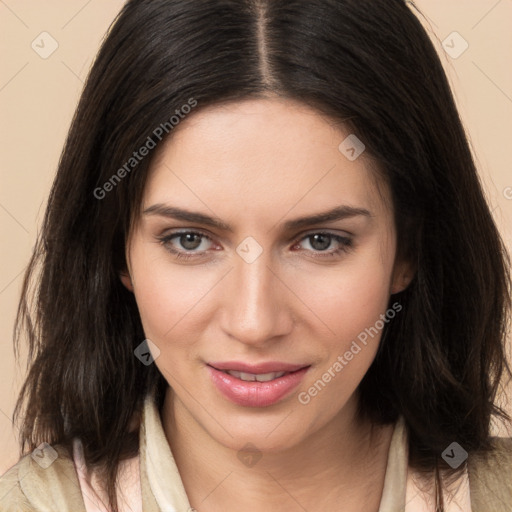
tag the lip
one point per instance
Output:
(266, 367)
(254, 393)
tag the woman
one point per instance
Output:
(269, 276)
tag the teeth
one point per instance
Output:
(250, 377)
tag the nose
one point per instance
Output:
(256, 308)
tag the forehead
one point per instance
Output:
(262, 156)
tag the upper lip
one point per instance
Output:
(266, 367)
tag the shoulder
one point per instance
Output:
(490, 476)
(43, 480)
(11, 495)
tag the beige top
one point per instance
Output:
(151, 481)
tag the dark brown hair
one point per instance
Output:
(366, 63)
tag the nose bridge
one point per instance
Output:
(255, 309)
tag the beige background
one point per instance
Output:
(38, 96)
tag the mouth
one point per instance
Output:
(256, 385)
(253, 377)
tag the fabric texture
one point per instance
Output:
(151, 481)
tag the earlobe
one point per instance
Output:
(402, 277)
(126, 280)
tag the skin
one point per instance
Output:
(256, 164)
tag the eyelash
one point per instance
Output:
(345, 244)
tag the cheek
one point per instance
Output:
(352, 309)
(166, 294)
(350, 298)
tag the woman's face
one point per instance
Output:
(226, 274)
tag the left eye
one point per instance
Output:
(321, 241)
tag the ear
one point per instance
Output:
(403, 273)
(126, 280)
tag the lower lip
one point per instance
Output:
(255, 394)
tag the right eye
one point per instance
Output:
(187, 243)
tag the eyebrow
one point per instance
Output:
(338, 213)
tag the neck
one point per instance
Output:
(344, 461)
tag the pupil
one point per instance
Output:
(325, 238)
(189, 241)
